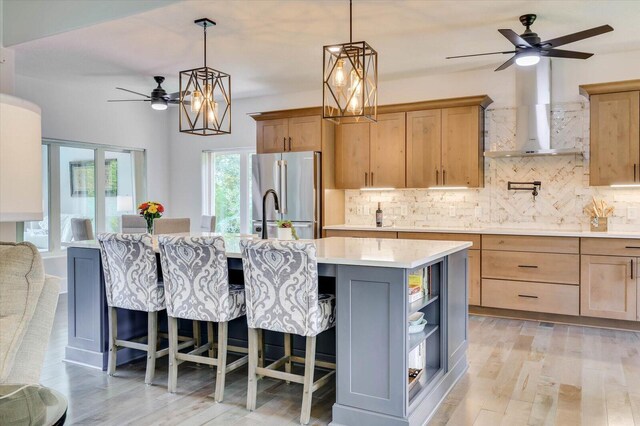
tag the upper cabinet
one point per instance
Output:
(615, 132)
(289, 134)
(371, 154)
(424, 150)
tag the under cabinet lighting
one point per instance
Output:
(626, 185)
(448, 188)
(376, 189)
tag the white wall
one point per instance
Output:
(567, 75)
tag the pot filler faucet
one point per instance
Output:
(264, 207)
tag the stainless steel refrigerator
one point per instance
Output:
(295, 177)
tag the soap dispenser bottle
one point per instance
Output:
(379, 217)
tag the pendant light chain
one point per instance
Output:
(350, 21)
(205, 45)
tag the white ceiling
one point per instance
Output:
(273, 47)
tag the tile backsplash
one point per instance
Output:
(564, 194)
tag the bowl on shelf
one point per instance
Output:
(416, 317)
(418, 327)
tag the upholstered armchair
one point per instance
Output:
(28, 301)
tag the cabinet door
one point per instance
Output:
(462, 161)
(387, 151)
(272, 135)
(608, 287)
(615, 139)
(474, 277)
(352, 155)
(424, 158)
(305, 134)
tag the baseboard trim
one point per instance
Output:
(556, 318)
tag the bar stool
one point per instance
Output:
(131, 282)
(281, 284)
(197, 288)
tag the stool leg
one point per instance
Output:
(221, 374)
(173, 348)
(309, 366)
(252, 388)
(113, 335)
(260, 347)
(212, 343)
(152, 339)
(196, 334)
(287, 353)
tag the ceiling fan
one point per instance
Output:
(529, 48)
(159, 98)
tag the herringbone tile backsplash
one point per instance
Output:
(564, 194)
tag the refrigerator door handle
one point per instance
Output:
(284, 188)
(277, 172)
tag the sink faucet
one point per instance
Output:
(264, 207)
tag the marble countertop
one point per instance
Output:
(379, 252)
(490, 230)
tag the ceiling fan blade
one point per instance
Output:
(129, 100)
(570, 38)
(135, 93)
(176, 95)
(177, 101)
(559, 53)
(480, 54)
(514, 38)
(507, 64)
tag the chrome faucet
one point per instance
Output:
(264, 207)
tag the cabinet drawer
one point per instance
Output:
(534, 297)
(610, 246)
(528, 243)
(523, 266)
(474, 238)
(360, 234)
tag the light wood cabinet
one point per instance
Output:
(444, 147)
(568, 245)
(609, 287)
(474, 277)
(424, 148)
(289, 134)
(352, 155)
(371, 154)
(615, 138)
(531, 296)
(462, 161)
(528, 266)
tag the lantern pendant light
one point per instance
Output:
(205, 96)
(350, 79)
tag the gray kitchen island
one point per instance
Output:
(371, 345)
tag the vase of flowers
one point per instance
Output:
(286, 231)
(150, 210)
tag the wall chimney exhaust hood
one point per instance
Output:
(533, 114)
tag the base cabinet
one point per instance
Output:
(609, 287)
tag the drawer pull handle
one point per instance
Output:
(632, 247)
(528, 266)
(527, 296)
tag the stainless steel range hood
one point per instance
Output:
(533, 114)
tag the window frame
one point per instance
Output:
(208, 186)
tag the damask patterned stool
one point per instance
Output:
(196, 280)
(131, 282)
(281, 284)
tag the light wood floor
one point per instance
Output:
(520, 373)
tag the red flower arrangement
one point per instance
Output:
(150, 210)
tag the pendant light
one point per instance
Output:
(350, 79)
(205, 96)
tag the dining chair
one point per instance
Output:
(208, 223)
(132, 224)
(81, 229)
(171, 226)
(197, 288)
(281, 285)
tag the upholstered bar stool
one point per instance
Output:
(131, 282)
(197, 288)
(281, 285)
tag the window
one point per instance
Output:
(226, 187)
(96, 182)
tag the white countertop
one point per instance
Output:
(379, 252)
(489, 230)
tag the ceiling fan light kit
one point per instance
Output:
(350, 79)
(205, 96)
(529, 47)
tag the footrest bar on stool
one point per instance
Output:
(275, 374)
